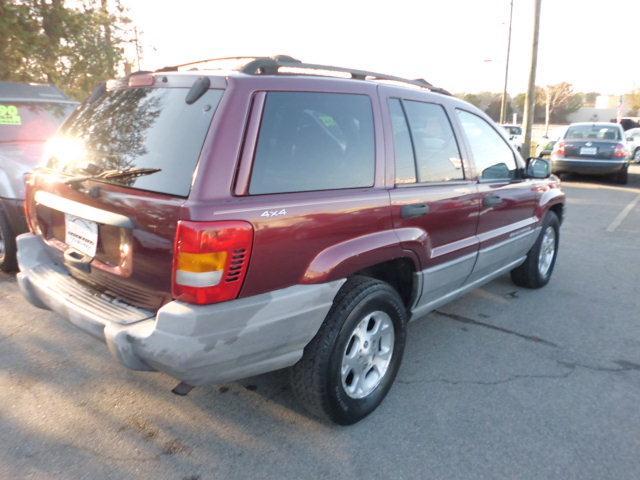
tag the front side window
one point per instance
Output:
(314, 141)
(493, 158)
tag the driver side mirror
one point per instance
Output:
(538, 168)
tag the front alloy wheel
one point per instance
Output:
(547, 251)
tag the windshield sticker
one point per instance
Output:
(328, 121)
(9, 115)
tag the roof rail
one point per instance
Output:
(272, 66)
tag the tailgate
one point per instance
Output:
(118, 172)
(600, 150)
(130, 256)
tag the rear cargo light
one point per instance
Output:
(620, 151)
(558, 149)
(210, 260)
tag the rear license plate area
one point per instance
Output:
(81, 235)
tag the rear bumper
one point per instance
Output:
(588, 167)
(196, 344)
(14, 210)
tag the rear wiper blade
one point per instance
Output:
(113, 174)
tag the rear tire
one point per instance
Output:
(536, 270)
(622, 177)
(7, 246)
(349, 366)
(636, 155)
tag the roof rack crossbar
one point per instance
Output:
(272, 65)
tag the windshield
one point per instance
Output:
(31, 122)
(593, 132)
(137, 128)
(512, 130)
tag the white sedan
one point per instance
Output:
(633, 143)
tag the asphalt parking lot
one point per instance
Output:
(503, 383)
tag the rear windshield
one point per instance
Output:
(31, 122)
(593, 132)
(135, 128)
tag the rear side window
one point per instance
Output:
(403, 149)
(427, 127)
(140, 128)
(314, 141)
(492, 156)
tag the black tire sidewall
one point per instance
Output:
(347, 410)
(8, 260)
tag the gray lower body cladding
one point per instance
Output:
(588, 166)
(196, 344)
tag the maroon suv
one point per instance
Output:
(217, 224)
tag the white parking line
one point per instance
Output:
(623, 214)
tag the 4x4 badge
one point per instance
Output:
(273, 213)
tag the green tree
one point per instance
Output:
(73, 44)
(634, 101)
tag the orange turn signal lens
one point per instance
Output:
(201, 262)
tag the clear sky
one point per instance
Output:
(457, 44)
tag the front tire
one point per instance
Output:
(7, 246)
(536, 270)
(349, 366)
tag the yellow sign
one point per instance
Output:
(9, 115)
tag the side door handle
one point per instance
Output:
(414, 210)
(492, 201)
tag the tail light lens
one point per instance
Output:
(210, 260)
(558, 149)
(29, 211)
(620, 151)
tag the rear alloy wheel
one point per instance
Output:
(536, 270)
(7, 246)
(349, 366)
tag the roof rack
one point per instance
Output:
(272, 66)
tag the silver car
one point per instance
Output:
(633, 143)
(29, 115)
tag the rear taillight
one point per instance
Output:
(620, 151)
(29, 210)
(210, 260)
(558, 149)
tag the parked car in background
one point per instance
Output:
(592, 149)
(633, 143)
(29, 115)
(515, 135)
(217, 224)
(547, 142)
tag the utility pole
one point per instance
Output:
(503, 104)
(530, 99)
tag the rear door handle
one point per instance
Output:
(414, 210)
(492, 201)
